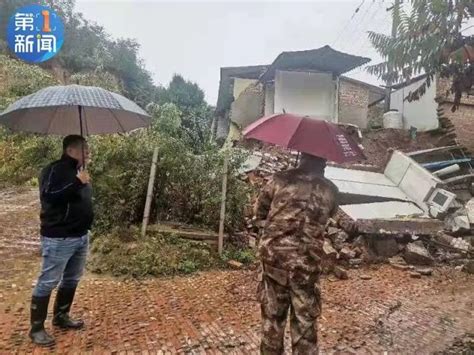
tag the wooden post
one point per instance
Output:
(149, 194)
(220, 244)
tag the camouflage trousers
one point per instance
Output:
(281, 291)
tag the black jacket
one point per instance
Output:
(66, 203)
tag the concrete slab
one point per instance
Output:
(364, 183)
(413, 226)
(384, 210)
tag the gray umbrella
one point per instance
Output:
(74, 109)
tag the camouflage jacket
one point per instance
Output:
(295, 208)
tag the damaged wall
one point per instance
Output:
(240, 85)
(353, 103)
(375, 115)
(462, 119)
(248, 107)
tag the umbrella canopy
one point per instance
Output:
(74, 109)
(307, 135)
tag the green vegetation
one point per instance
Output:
(126, 253)
(189, 174)
(88, 47)
(245, 256)
(430, 40)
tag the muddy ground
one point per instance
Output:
(378, 309)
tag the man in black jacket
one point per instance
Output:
(66, 217)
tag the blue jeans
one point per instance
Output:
(64, 260)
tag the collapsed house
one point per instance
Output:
(404, 209)
(426, 192)
(307, 82)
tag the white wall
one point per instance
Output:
(411, 178)
(420, 114)
(305, 93)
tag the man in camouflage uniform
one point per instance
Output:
(295, 207)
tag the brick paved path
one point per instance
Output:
(216, 313)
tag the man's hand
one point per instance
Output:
(84, 176)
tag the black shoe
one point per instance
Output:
(62, 306)
(39, 311)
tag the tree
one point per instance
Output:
(184, 94)
(430, 40)
(98, 78)
(123, 61)
(18, 79)
(88, 48)
(196, 114)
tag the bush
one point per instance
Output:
(187, 186)
(23, 156)
(98, 78)
(126, 253)
(245, 256)
(120, 168)
(18, 79)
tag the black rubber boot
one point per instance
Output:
(62, 306)
(39, 312)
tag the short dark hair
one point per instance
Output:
(73, 140)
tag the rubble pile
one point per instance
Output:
(350, 244)
(273, 159)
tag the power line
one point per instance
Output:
(358, 31)
(348, 22)
(377, 28)
(375, 23)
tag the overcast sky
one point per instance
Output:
(196, 38)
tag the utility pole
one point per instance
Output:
(395, 17)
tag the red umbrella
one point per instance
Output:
(306, 134)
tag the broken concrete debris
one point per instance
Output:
(460, 243)
(458, 222)
(470, 210)
(443, 238)
(340, 272)
(385, 246)
(328, 250)
(424, 271)
(355, 262)
(403, 267)
(350, 242)
(338, 239)
(346, 253)
(469, 267)
(417, 254)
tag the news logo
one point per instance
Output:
(35, 33)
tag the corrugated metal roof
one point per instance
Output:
(324, 59)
